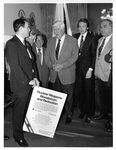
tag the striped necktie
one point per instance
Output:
(101, 47)
(81, 44)
(57, 48)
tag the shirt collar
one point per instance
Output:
(62, 38)
(108, 37)
(20, 38)
(84, 35)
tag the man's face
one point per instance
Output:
(58, 31)
(39, 42)
(26, 29)
(105, 28)
(82, 27)
(31, 38)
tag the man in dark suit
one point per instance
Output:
(22, 78)
(84, 72)
(61, 55)
(39, 51)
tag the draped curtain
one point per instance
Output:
(75, 11)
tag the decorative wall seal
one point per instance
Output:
(21, 13)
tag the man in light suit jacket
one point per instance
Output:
(103, 68)
(23, 76)
(62, 64)
(42, 68)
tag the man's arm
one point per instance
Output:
(13, 61)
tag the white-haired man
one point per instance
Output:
(61, 55)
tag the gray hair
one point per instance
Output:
(59, 24)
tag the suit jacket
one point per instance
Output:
(22, 67)
(102, 68)
(43, 70)
(67, 57)
(88, 52)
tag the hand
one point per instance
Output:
(33, 83)
(37, 82)
(57, 67)
(88, 74)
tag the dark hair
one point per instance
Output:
(83, 20)
(44, 38)
(38, 34)
(19, 23)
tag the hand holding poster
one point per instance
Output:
(44, 111)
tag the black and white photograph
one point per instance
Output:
(57, 89)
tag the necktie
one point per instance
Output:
(57, 48)
(101, 47)
(40, 54)
(38, 50)
(81, 44)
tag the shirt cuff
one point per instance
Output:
(91, 69)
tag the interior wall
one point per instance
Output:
(44, 15)
(94, 14)
(11, 13)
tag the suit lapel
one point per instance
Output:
(54, 48)
(86, 39)
(85, 43)
(63, 46)
(107, 47)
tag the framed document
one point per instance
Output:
(44, 111)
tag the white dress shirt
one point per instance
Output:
(40, 52)
(61, 43)
(79, 39)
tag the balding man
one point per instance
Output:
(61, 55)
(103, 68)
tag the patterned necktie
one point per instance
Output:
(39, 54)
(101, 47)
(81, 44)
(57, 48)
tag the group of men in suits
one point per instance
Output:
(94, 63)
(70, 59)
(77, 64)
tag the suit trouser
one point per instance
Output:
(85, 94)
(20, 107)
(105, 97)
(68, 89)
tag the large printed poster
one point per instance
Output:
(44, 111)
